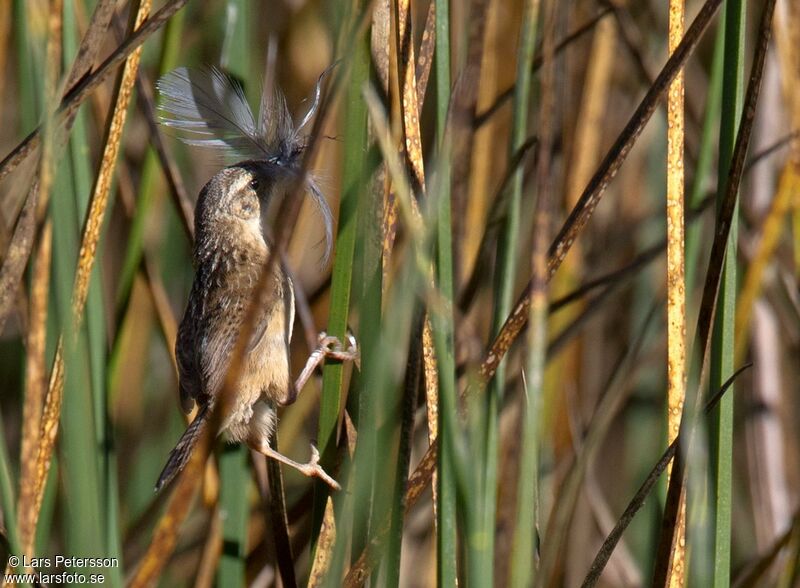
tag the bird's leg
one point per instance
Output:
(328, 347)
(312, 469)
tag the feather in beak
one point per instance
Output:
(208, 109)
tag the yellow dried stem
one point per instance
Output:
(676, 282)
(787, 37)
(408, 88)
(788, 191)
(431, 382)
(97, 205)
(431, 404)
(35, 382)
(47, 440)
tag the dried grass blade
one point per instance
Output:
(18, 252)
(325, 543)
(411, 105)
(87, 83)
(425, 57)
(431, 397)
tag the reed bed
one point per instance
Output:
(567, 243)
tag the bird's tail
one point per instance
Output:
(183, 450)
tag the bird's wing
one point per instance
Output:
(219, 321)
(218, 330)
(188, 373)
(281, 299)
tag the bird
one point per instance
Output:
(231, 250)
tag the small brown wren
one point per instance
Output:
(231, 250)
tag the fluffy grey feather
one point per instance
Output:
(208, 109)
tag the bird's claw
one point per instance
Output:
(328, 347)
(314, 469)
(332, 348)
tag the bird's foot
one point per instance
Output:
(329, 347)
(312, 469)
(332, 348)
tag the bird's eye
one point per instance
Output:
(254, 184)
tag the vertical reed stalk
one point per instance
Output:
(676, 282)
(505, 274)
(524, 568)
(722, 349)
(354, 138)
(447, 542)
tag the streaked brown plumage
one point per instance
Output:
(208, 108)
(230, 252)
